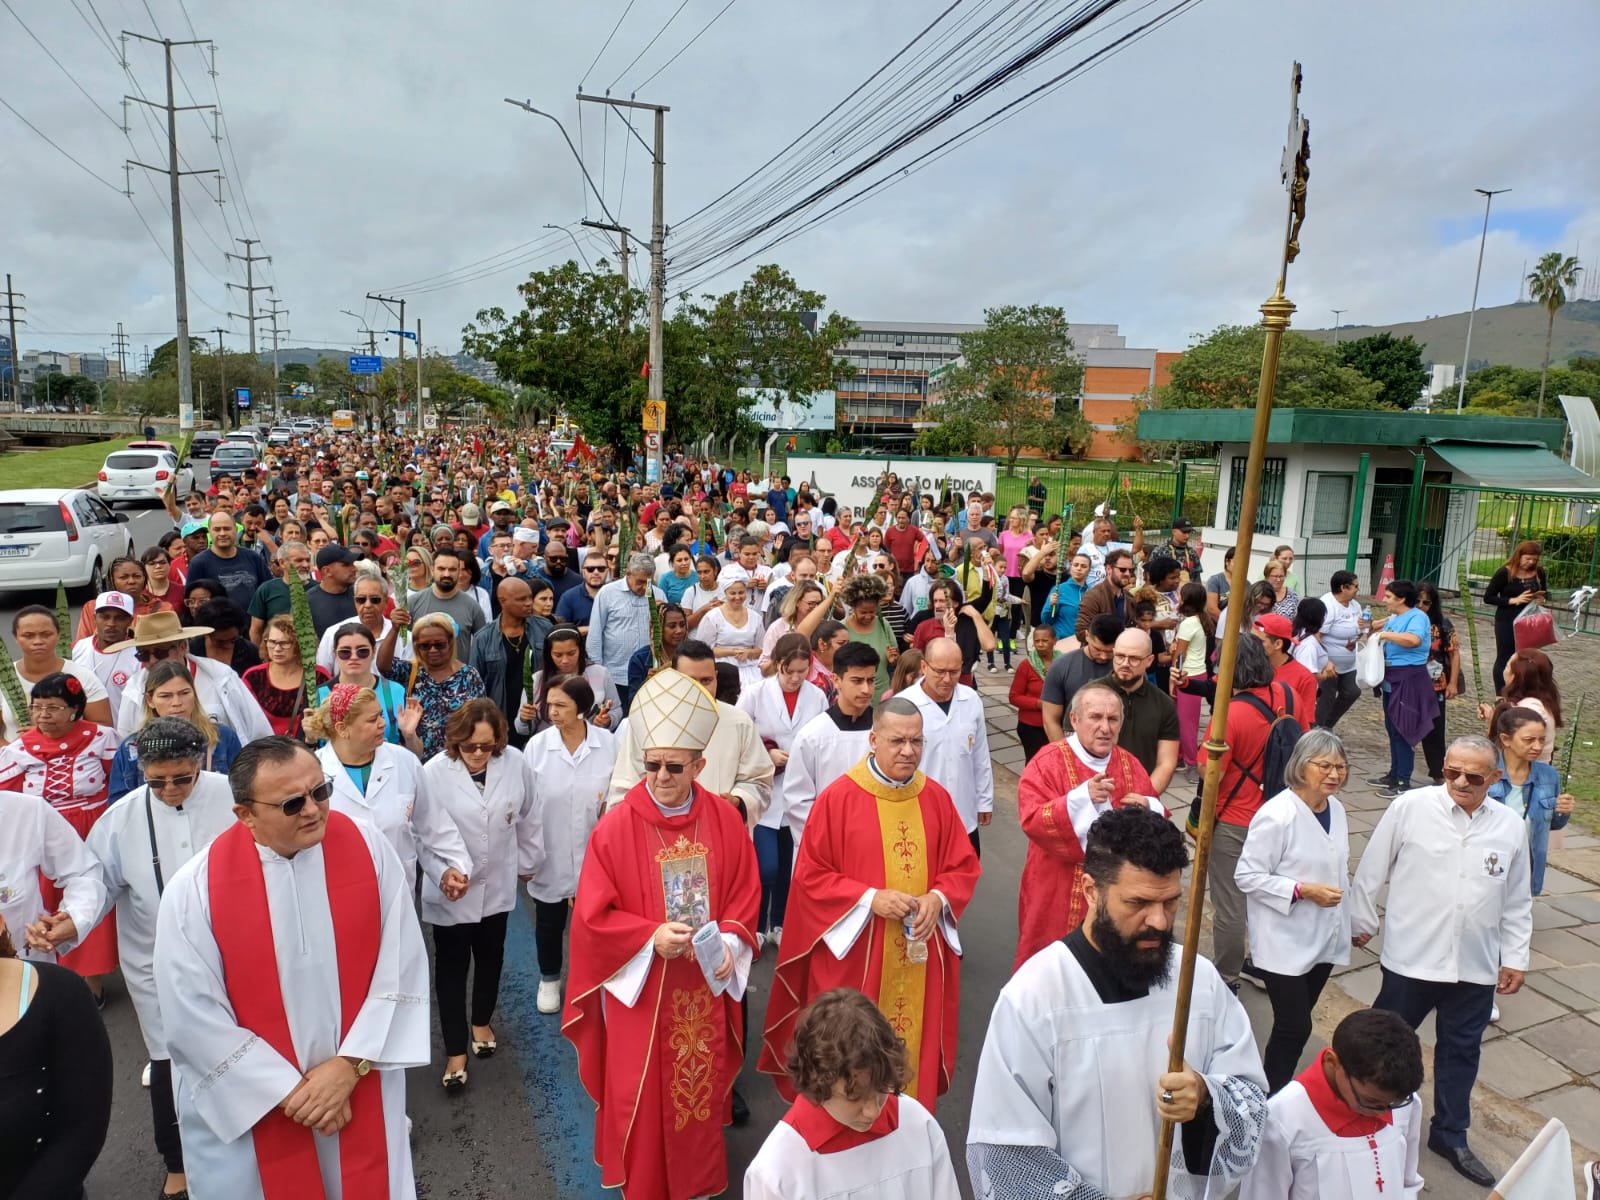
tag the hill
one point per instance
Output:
(1510, 334)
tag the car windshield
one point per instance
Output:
(241, 452)
(30, 518)
(130, 462)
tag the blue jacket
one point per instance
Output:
(1540, 791)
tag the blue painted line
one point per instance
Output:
(563, 1114)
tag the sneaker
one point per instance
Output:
(1383, 781)
(1591, 1180)
(993, 670)
(1494, 1014)
(549, 998)
(1395, 789)
(1253, 973)
(775, 935)
(144, 1076)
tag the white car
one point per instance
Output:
(65, 534)
(142, 474)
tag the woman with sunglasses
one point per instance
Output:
(485, 790)
(169, 692)
(354, 653)
(376, 782)
(419, 568)
(141, 842)
(1294, 872)
(570, 763)
(35, 633)
(439, 681)
(65, 759)
(279, 684)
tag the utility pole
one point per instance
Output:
(12, 309)
(658, 269)
(1466, 355)
(275, 312)
(249, 258)
(627, 283)
(419, 375)
(389, 302)
(122, 353)
(1337, 313)
(180, 285)
(222, 366)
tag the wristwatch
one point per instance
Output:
(361, 1066)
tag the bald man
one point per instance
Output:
(1150, 718)
(499, 650)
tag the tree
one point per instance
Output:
(1223, 370)
(1016, 384)
(1515, 390)
(165, 359)
(69, 391)
(1393, 363)
(1548, 282)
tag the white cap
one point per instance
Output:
(676, 712)
(118, 600)
(523, 534)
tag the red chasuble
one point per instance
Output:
(662, 1071)
(1050, 901)
(864, 834)
(242, 926)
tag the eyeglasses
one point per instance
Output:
(294, 804)
(1130, 659)
(1451, 774)
(1330, 768)
(279, 644)
(177, 781)
(431, 646)
(356, 652)
(413, 562)
(477, 747)
(157, 653)
(49, 710)
(369, 599)
(652, 767)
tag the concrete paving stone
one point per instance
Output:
(1528, 1008)
(1547, 984)
(1515, 1069)
(1573, 1041)
(1579, 841)
(1363, 985)
(1585, 906)
(1577, 1107)
(1559, 883)
(1361, 822)
(1548, 916)
(1566, 947)
(1584, 980)
(1541, 962)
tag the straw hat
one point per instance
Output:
(158, 628)
(676, 712)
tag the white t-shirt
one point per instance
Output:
(1193, 631)
(1311, 655)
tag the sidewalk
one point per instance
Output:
(1540, 1060)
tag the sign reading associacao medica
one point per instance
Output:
(852, 479)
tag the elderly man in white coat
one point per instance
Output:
(219, 690)
(955, 736)
(293, 984)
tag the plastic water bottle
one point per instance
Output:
(916, 948)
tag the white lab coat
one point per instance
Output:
(392, 805)
(226, 1078)
(1285, 846)
(955, 750)
(765, 705)
(569, 794)
(120, 840)
(496, 825)
(34, 837)
(220, 692)
(910, 1163)
(820, 753)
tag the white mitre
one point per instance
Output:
(674, 712)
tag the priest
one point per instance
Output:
(293, 987)
(880, 881)
(1073, 1084)
(663, 935)
(1063, 789)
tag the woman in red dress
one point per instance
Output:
(65, 759)
(280, 682)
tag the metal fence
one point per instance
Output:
(1156, 494)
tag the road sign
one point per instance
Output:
(366, 364)
(652, 442)
(241, 397)
(654, 417)
(430, 420)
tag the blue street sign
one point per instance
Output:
(366, 364)
(241, 397)
(405, 333)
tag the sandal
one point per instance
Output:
(454, 1081)
(484, 1049)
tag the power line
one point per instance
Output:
(584, 78)
(51, 56)
(52, 144)
(465, 267)
(648, 44)
(647, 80)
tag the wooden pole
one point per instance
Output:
(1275, 315)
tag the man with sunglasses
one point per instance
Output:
(296, 1063)
(371, 598)
(1349, 1124)
(1110, 595)
(1456, 928)
(159, 636)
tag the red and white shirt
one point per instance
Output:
(71, 772)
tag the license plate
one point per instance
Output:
(15, 551)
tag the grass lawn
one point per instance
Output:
(65, 467)
(1585, 782)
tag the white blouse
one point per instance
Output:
(496, 824)
(569, 794)
(767, 708)
(1284, 847)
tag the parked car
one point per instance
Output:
(155, 445)
(280, 435)
(205, 441)
(233, 459)
(247, 436)
(143, 475)
(66, 534)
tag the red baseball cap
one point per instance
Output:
(1275, 625)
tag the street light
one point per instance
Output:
(1466, 357)
(1337, 313)
(539, 112)
(575, 244)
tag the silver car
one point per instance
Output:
(66, 534)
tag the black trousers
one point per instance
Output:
(973, 838)
(1334, 698)
(165, 1115)
(549, 924)
(481, 945)
(1433, 744)
(1293, 997)
(1033, 739)
(1462, 1015)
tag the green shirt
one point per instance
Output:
(881, 639)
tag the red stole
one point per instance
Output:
(1341, 1120)
(286, 1155)
(1050, 902)
(822, 1134)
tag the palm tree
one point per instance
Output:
(1548, 282)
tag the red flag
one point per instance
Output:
(580, 449)
(644, 371)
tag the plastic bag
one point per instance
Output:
(1369, 663)
(1534, 627)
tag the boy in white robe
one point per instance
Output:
(831, 743)
(1349, 1125)
(311, 1108)
(851, 1134)
(1073, 1084)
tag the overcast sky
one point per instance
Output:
(374, 151)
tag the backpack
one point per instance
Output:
(1283, 733)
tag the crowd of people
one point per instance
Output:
(394, 682)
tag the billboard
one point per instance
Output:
(852, 479)
(770, 409)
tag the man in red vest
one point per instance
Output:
(293, 984)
